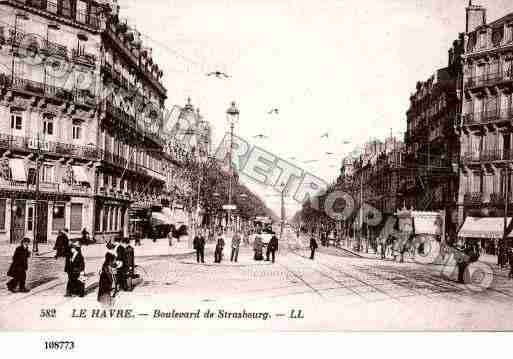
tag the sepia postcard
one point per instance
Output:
(256, 165)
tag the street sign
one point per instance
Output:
(229, 207)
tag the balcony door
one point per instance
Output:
(506, 150)
(18, 221)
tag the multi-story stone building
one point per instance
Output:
(429, 179)
(81, 101)
(487, 112)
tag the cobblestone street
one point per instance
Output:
(363, 293)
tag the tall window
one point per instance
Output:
(16, 122)
(30, 219)
(77, 131)
(51, 6)
(116, 212)
(2, 213)
(46, 173)
(509, 33)
(76, 217)
(105, 218)
(48, 127)
(81, 11)
(482, 40)
(58, 221)
(65, 7)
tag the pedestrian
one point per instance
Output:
(106, 284)
(272, 247)
(18, 269)
(122, 272)
(75, 267)
(235, 247)
(61, 246)
(258, 246)
(199, 247)
(383, 245)
(130, 263)
(218, 253)
(510, 259)
(85, 237)
(313, 247)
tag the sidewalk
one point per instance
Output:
(148, 248)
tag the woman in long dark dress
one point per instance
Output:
(75, 267)
(106, 285)
(19, 266)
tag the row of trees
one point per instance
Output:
(214, 192)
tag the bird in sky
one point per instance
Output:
(329, 153)
(326, 135)
(218, 74)
(274, 110)
(260, 136)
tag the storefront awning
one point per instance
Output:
(18, 172)
(159, 218)
(80, 174)
(486, 228)
(429, 224)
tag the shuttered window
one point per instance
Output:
(76, 217)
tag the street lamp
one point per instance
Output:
(232, 115)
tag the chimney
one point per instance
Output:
(476, 16)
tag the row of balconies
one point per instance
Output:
(115, 30)
(30, 144)
(79, 190)
(46, 48)
(123, 118)
(92, 153)
(82, 97)
(490, 79)
(487, 117)
(478, 198)
(487, 155)
(47, 187)
(55, 7)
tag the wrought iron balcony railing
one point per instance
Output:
(473, 198)
(10, 142)
(489, 79)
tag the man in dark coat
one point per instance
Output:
(218, 254)
(199, 247)
(19, 266)
(62, 244)
(122, 272)
(130, 256)
(75, 265)
(272, 247)
(510, 260)
(235, 247)
(313, 247)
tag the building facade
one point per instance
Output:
(486, 132)
(430, 175)
(81, 106)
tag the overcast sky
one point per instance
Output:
(338, 66)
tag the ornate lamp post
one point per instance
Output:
(232, 115)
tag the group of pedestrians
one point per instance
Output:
(118, 270)
(116, 274)
(237, 239)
